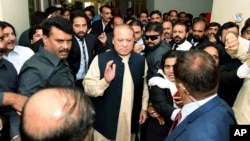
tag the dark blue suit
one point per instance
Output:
(210, 122)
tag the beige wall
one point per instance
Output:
(16, 13)
(194, 7)
(223, 10)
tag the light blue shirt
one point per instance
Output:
(187, 109)
(81, 72)
(18, 56)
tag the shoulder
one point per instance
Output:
(23, 48)
(9, 66)
(97, 22)
(137, 57)
(164, 46)
(90, 37)
(38, 63)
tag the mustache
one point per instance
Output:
(177, 37)
(64, 50)
(212, 34)
(11, 42)
(166, 33)
(81, 32)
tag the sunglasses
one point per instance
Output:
(151, 37)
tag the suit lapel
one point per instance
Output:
(193, 116)
(75, 45)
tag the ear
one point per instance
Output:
(181, 86)
(45, 40)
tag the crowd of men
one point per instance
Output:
(74, 75)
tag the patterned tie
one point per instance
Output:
(84, 58)
(176, 121)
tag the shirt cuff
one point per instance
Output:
(243, 70)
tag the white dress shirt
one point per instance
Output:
(185, 46)
(18, 56)
(243, 71)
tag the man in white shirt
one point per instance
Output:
(180, 33)
(16, 54)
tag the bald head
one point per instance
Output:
(198, 72)
(57, 114)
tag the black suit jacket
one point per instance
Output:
(200, 43)
(94, 47)
(97, 28)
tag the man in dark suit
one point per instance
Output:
(197, 79)
(102, 25)
(198, 36)
(84, 46)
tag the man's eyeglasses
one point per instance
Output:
(151, 37)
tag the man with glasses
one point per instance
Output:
(155, 47)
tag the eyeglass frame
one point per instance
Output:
(151, 37)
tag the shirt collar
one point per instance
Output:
(104, 24)
(139, 42)
(190, 107)
(54, 59)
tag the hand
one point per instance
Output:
(231, 42)
(143, 116)
(102, 38)
(109, 73)
(178, 101)
(153, 113)
(212, 39)
(237, 21)
(138, 48)
(15, 100)
(20, 100)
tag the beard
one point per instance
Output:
(197, 38)
(152, 46)
(178, 40)
(80, 35)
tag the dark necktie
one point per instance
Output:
(175, 47)
(176, 121)
(84, 57)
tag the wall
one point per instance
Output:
(232, 6)
(151, 6)
(16, 13)
(194, 7)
